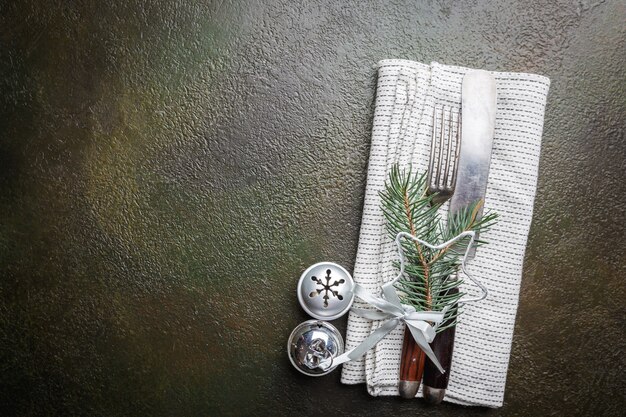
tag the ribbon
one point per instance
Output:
(394, 312)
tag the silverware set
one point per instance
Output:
(458, 170)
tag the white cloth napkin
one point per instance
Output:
(406, 94)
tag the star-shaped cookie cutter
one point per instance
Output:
(472, 236)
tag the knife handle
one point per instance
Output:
(411, 366)
(436, 383)
(443, 347)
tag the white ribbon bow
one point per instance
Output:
(394, 312)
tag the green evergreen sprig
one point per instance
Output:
(407, 207)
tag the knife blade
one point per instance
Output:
(478, 112)
(478, 121)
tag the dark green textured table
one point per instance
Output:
(168, 169)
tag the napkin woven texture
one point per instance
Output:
(406, 94)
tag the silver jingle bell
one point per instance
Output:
(326, 291)
(313, 345)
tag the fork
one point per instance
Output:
(440, 184)
(441, 180)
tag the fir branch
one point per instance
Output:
(407, 207)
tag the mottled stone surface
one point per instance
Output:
(168, 169)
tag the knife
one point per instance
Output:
(478, 112)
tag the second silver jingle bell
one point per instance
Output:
(313, 345)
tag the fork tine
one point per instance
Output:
(441, 146)
(456, 153)
(431, 162)
(449, 153)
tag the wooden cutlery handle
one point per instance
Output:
(411, 366)
(436, 383)
(442, 346)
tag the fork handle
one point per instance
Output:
(411, 366)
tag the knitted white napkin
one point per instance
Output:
(406, 94)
